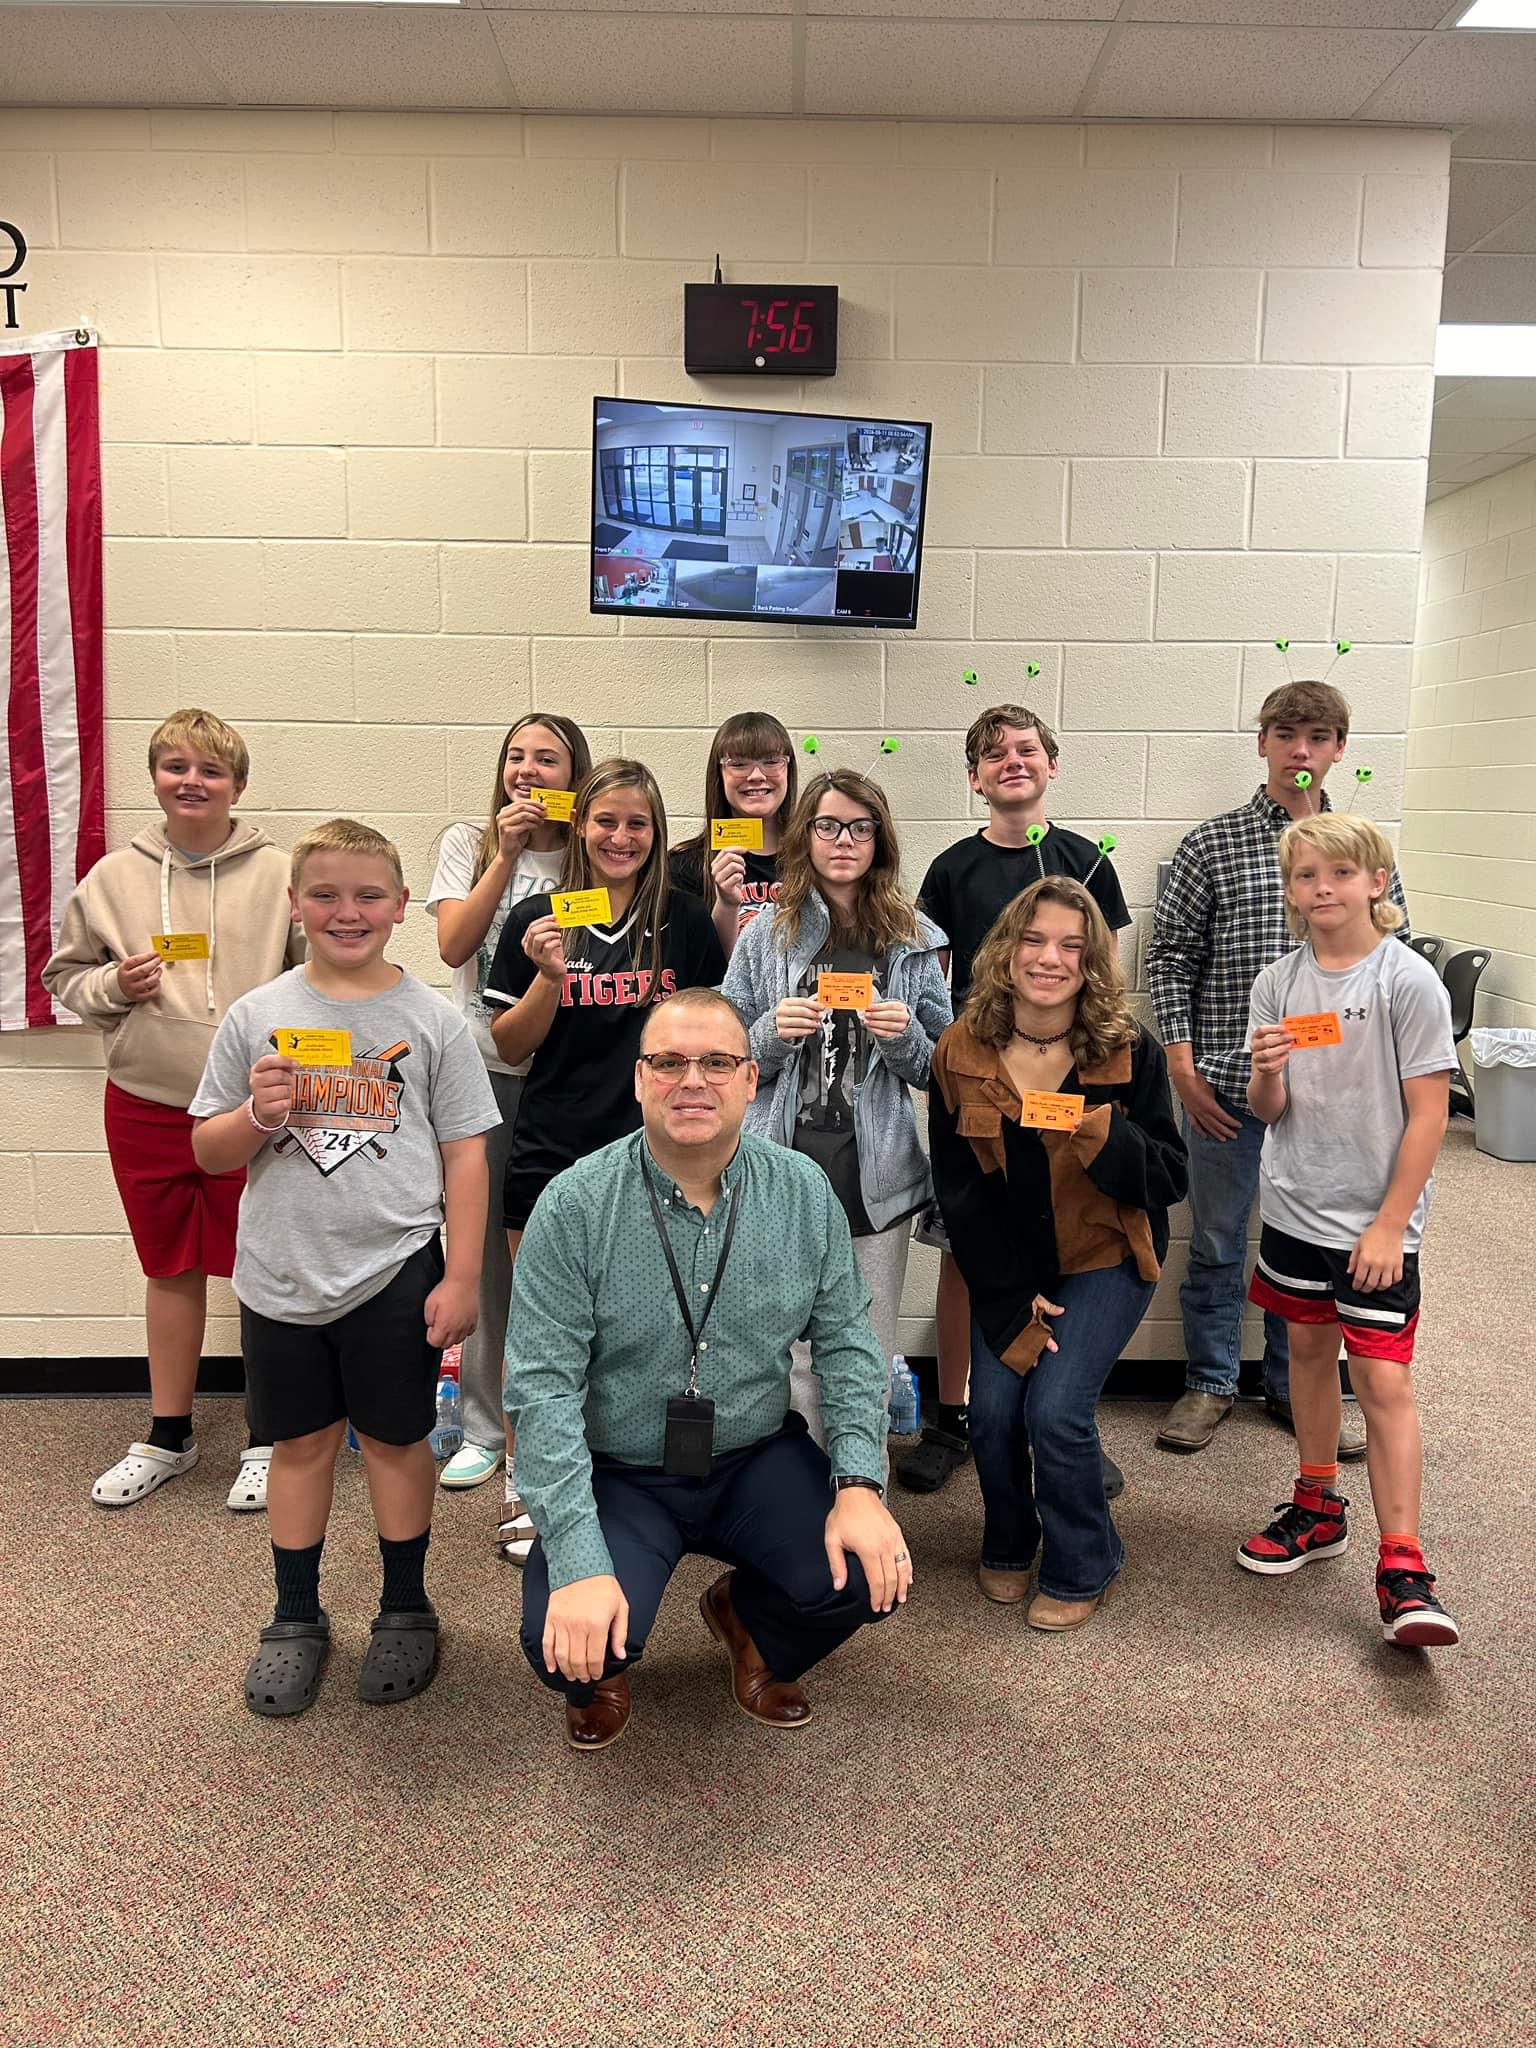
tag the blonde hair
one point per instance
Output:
(1103, 1024)
(570, 736)
(648, 907)
(1340, 835)
(346, 835)
(884, 915)
(201, 733)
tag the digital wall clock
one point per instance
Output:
(760, 330)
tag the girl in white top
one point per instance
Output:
(482, 871)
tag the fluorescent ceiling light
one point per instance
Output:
(1485, 352)
(1500, 14)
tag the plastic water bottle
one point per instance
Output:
(352, 1442)
(905, 1403)
(449, 1433)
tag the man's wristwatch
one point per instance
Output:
(843, 1480)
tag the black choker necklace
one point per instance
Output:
(1030, 1039)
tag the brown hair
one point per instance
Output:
(988, 729)
(648, 907)
(1305, 704)
(346, 835)
(202, 733)
(1103, 1023)
(1340, 835)
(751, 735)
(701, 999)
(575, 743)
(884, 916)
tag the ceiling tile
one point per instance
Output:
(1499, 397)
(98, 57)
(994, 72)
(348, 56)
(1469, 76)
(1419, 14)
(1496, 138)
(1244, 74)
(636, 6)
(1483, 197)
(1517, 237)
(1492, 288)
(975, 10)
(1484, 465)
(665, 65)
(1471, 437)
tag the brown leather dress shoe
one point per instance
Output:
(754, 1688)
(1193, 1420)
(603, 1719)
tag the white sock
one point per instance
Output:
(511, 1492)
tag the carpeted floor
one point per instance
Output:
(1226, 1813)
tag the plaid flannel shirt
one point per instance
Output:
(1219, 921)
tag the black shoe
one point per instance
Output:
(1114, 1478)
(932, 1459)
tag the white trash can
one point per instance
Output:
(1505, 1063)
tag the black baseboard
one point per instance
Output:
(75, 1379)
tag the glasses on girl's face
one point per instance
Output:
(717, 1068)
(735, 764)
(860, 830)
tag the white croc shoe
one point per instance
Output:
(248, 1495)
(143, 1472)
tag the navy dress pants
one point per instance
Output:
(763, 1510)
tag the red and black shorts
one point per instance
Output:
(1310, 1283)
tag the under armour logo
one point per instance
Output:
(1347, 1014)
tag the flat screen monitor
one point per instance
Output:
(795, 517)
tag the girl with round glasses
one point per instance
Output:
(751, 774)
(834, 1082)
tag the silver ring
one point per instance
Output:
(900, 1557)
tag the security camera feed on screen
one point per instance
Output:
(703, 510)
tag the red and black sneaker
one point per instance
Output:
(1310, 1525)
(1410, 1613)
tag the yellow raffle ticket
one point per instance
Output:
(180, 945)
(745, 833)
(313, 1047)
(580, 906)
(556, 804)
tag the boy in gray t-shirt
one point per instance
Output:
(358, 1102)
(1352, 1058)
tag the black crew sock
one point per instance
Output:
(298, 1582)
(956, 1420)
(405, 1567)
(170, 1432)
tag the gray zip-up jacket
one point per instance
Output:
(893, 1168)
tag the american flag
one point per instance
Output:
(51, 812)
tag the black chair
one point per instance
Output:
(1461, 973)
(1427, 944)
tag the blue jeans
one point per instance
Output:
(1223, 1182)
(1036, 1443)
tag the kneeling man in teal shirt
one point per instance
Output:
(658, 1288)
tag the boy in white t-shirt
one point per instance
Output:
(1352, 1058)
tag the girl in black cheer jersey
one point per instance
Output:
(751, 774)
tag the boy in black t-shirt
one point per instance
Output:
(1011, 758)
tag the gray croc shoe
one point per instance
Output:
(285, 1672)
(402, 1657)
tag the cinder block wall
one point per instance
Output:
(1469, 831)
(1180, 381)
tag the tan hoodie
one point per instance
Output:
(238, 896)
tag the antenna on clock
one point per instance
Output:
(718, 278)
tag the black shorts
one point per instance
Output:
(1310, 1283)
(372, 1367)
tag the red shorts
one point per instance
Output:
(182, 1219)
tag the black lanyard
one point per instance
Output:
(695, 1333)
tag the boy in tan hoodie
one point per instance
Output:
(214, 892)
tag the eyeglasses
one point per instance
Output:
(734, 764)
(860, 830)
(718, 1068)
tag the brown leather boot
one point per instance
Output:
(1006, 1588)
(754, 1688)
(603, 1719)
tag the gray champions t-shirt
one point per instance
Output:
(1328, 1161)
(340, 1199)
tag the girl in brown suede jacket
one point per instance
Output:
(1055, 1158)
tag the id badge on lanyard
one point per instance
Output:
(689, 1443)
